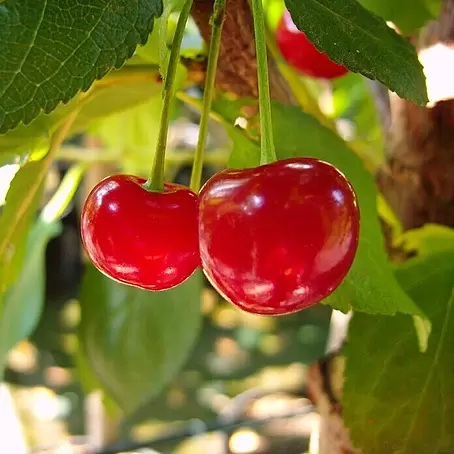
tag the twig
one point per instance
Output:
(194, 428)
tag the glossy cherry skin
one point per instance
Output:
(141, 238)
(278, 238)
(300, 53)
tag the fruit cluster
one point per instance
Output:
(272, 240)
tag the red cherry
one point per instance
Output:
(300, 53)
(278, 238)
(138, 237)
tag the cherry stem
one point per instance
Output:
(268, 153)
(216, 21)
(155, 181)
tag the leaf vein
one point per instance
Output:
(436, 358)
(19, 70)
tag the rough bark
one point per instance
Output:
(418, 177)
(324, 389)
(237, 68)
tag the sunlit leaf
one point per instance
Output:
(395, 398)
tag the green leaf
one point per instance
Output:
(121, 90)
(244, 151)
(132, 134)
(370, 285)
(23, 302)
(408, 15)
(390, 218)
(428, 239)
(90, 382)
(361, 41)
(134, 340)
(52, 49)
(396, 399)
(22, 201)
(155, 50)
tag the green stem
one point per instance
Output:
(217, 21)
(268, 153)
(298, 87)
(155, 181)
(64, 194)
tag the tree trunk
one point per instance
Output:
(237, 67)
(418, 177)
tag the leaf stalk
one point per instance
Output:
(268, 152)
(216, 21)
(155, 181)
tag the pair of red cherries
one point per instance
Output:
(274, 239)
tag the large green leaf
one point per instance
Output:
(370, 285)
(408, 15)
(121, 90)
(52, 49)
(23, 302)
(133, 133)
(22, 202)
(396, 399)
(155, 50)
(135, 340)
(361, 41)
(89, 382)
